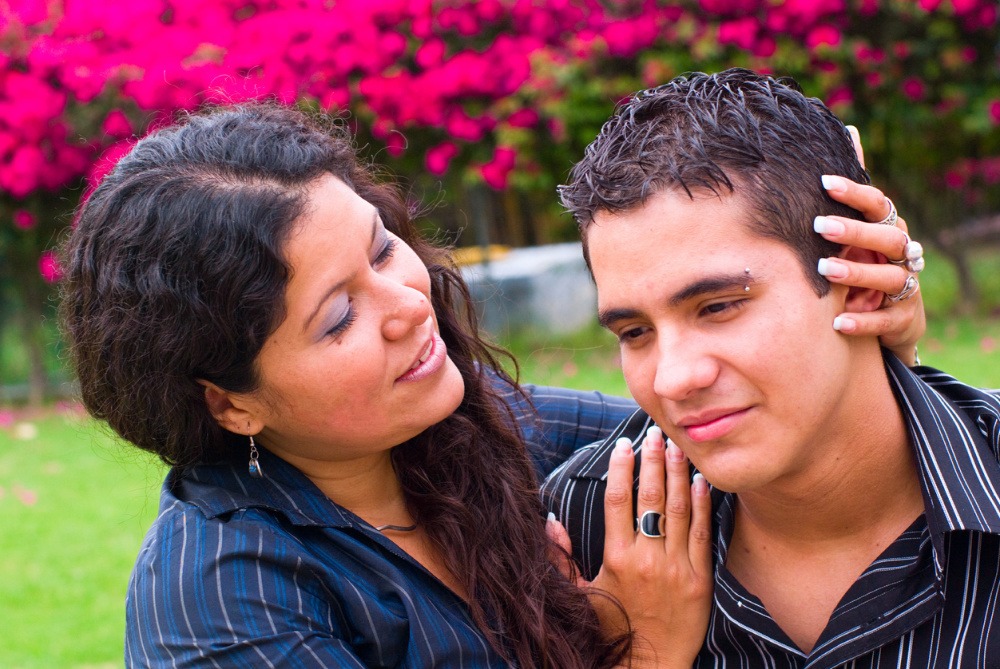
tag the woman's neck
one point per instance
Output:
(367, 487)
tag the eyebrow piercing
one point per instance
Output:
(746, 286)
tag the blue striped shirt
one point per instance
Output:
(242, 572)
(930, 599)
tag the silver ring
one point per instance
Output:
(909, 288)
(652, 524)
(891, 217)
(913, 257)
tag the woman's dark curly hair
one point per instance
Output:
(175, 273)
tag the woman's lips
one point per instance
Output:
(430, 361)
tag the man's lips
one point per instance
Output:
(713, 424)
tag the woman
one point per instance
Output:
(240, 289)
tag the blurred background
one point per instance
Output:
(479, 107)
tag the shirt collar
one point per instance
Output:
(958, 471)
(219, 489)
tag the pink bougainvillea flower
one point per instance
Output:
(496, 172)
(823, 36)
(741, 32)
(523, 118)
(954, 179)
(25, 496)
(48, 266)
(839, 96)
(24, 219)
(116, 124)
(439, 157)
(395, 144)
(914, 89)
(994, 110)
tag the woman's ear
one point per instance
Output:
(862, 300)
(231, 411)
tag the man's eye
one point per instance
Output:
(717, 308)
(630, 334)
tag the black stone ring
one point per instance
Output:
(653, 525)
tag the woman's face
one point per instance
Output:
(357, 366)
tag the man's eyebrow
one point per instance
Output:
(710, 284)
(340, 284)
(704, 286)
(608, 317)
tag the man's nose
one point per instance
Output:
(682, 369)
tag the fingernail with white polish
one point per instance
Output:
(674, 453)
(551, 518)
(699, 483)
(834, 184)
(831, 268)
(623, 445)
(844, 324)
(828, 226)
(654, 431)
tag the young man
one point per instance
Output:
(856, 500)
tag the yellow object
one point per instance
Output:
(473, 255)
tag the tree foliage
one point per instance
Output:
(484, 95)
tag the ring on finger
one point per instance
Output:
(909, 288)
(652, 524)
(891, 217)
(913, 256)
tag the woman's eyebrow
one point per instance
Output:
(340, 284)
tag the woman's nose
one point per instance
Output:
(408, 308)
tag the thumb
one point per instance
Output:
(560, 550)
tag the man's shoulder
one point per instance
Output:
(957, 391)
(591, 461)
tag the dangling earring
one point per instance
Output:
(255, 471)
(746, 286)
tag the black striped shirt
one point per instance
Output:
(930, 599)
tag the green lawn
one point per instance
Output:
(74, 504)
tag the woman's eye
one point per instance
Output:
(344, 323)
(386, 252)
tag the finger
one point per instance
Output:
(619, 521)
(897, 317)
(888, 240)
(856, 140)
(868, 200)
(651, 496)
(889, 279)
(678, 500)
(560, 548)
(700, 534)
(557, 533)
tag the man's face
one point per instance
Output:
(750, 384)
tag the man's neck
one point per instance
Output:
(801, 542)
(863, 470)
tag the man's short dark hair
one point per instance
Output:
(735, 132)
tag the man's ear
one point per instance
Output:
(232, 411)
(861, 300)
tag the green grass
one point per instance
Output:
(75, 504)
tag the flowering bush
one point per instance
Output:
(498, 93)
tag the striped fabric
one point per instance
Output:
(930, 600)
(242, 572)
